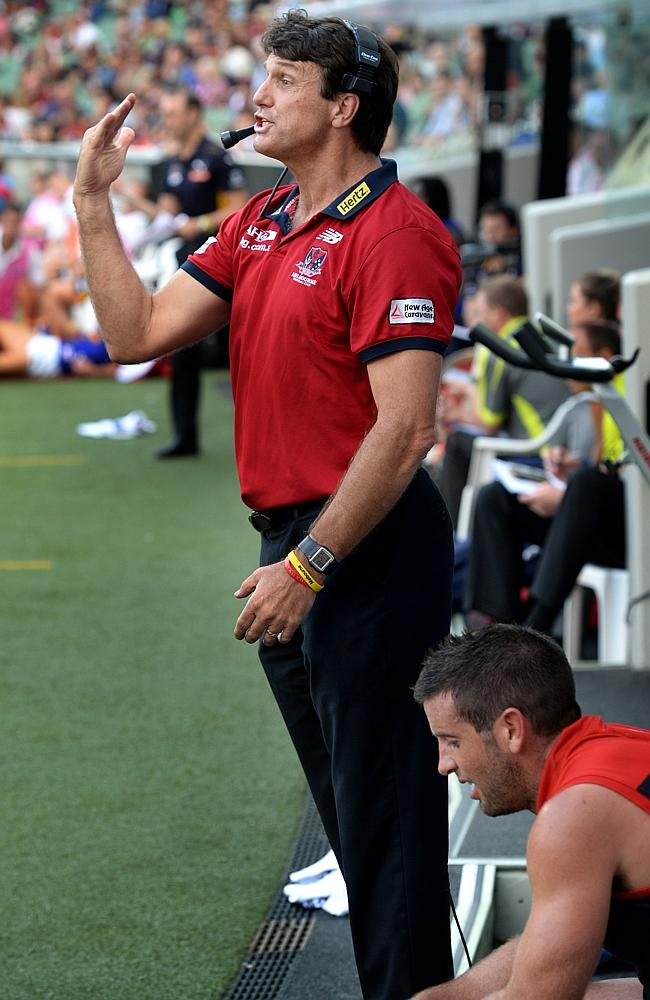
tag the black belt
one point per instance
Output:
(276, 517)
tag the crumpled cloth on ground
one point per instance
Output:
(124, 428)
(319, 886)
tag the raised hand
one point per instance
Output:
(103, 150)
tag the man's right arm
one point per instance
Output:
(490, 974)
(135, 325)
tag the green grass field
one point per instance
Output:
(150, 796)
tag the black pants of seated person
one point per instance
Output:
(589, 526)
(495, 575)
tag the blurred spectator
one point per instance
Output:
(498, 224)
(434, 192)
(201, 182)
(592, 157)
(28, 351)
(514, 401)
(497, 251)
(568, 525)
(7, 187)
(49, 216)
(594, 296)
(19, 268)
(450, 113)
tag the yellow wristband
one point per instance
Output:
(306, 576)
(204, 223)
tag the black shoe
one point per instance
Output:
(178, 449)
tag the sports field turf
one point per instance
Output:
(149, 793)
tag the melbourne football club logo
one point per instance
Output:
(313, 262)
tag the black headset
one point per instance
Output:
(368, 57)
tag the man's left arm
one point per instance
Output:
(404, 385)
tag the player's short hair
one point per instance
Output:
(506, 291)
(329, 43)
(499, 667)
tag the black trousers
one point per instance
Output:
(589, 526)
(185, 389)
(495, 575)
(185, 393)
(343, 686)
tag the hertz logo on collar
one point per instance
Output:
(353, 198)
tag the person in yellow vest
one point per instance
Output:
(515, 401)
(581, 523)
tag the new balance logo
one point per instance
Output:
(330, 236)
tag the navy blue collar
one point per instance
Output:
(363, 193)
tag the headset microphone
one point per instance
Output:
(229, 139)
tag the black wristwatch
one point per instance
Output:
(318, 557)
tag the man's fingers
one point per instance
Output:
(246, 587)
(111, 123)
(243, 623)
(276, 633)
(119, 114)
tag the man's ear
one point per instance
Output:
(346, 106)
(510, 730)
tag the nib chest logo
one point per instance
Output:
(411, 311)
(310, 266)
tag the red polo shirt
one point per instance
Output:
(373, 273)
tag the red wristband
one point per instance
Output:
(294, 575)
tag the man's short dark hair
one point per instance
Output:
(496, 207)
(192, 100)
(499, 667)
(329, 43)
(506, 291)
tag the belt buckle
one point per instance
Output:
(260, 521)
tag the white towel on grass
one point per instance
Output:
(319, 886)
(124, 428)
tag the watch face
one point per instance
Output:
(321, 559)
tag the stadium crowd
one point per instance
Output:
(64, 64)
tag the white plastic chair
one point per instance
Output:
(612, 590)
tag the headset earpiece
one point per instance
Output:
(367, 55)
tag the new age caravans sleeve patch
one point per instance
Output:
(403, 295)
(411, 311)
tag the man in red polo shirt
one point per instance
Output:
(339, 291)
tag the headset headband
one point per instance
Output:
(366, 53)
